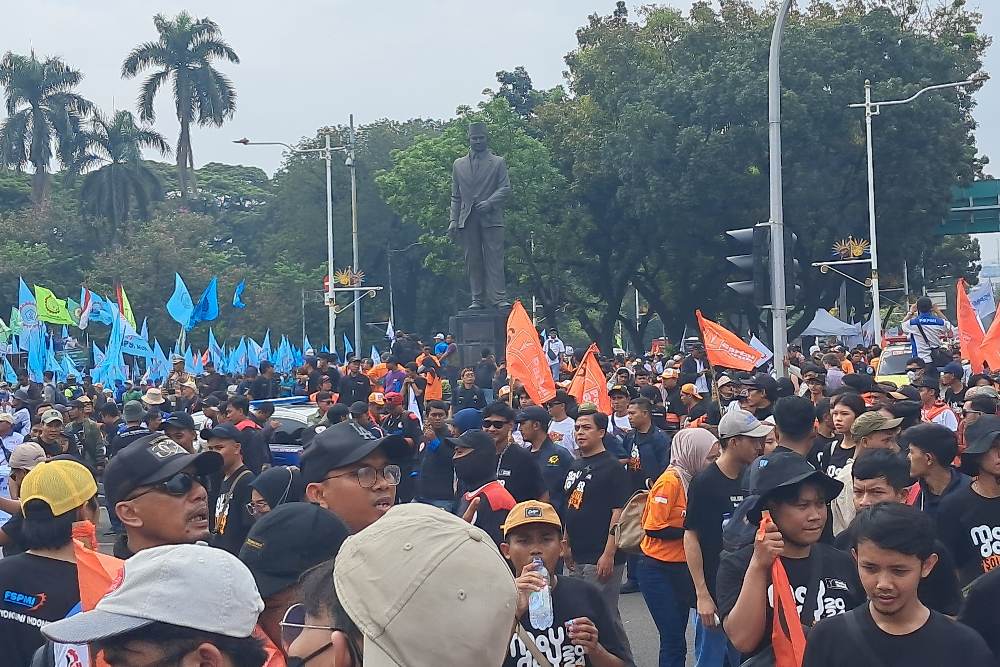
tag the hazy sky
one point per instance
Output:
(306, 63)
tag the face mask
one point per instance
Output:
(476, 466)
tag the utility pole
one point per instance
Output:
(351, 158)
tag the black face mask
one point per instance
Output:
(476, 467)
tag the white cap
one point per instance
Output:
(414, 577)
(439, 336)
(741, 422)
(190, 585)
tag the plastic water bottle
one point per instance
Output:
(540, 602)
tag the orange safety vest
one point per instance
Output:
(433, 391)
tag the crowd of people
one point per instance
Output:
(433, 504)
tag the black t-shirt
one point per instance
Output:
(824, 584)
(12, 529)
(980, 610)
(519, 474)
(354, 388)
(939, 641)
(969, 526)
(485, 370)
(834, 462)
(571, 598)
(261, 388)
(554, 461)
(462, 398)
(821, 447)
(36, 591)
(126, 438)
(712, 498)
(595, 487)
(232, 518)
(437, 472)
(955, 399)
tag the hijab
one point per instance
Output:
(280, 485)
(689, 451)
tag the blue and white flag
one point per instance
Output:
(180, 306)
(376, 357)
(348, 348)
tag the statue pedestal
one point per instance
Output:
(478, 329)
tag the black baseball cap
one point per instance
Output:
(472, 440)
(981, 434)
(289, 540)
(221, 431)
(926, 380)
(535, 413)
(765, 383)
(150, 460)
(343, 444)
(780, 469)
(359, 408)
(180, 420)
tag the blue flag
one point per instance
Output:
(238, 293)
(101, 310)
(376, 357)
(8, 372)
(214, 349)
(307, 348)
(348, 348)
(158, 365)
(179, 306)
(253, 353)
(207, 308)
(34, 339)
(265, 347)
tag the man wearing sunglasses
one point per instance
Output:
(516, 469)
(353, 474)
(158, 491)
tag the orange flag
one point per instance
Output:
(970, 331)
(589, 384)
(525, 359)
(724, 348)
(97, 574)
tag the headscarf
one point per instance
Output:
(689, 451)
(280, 485)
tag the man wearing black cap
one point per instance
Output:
(933, 410)
(280, 547)
(180, 428)
(232, 516)
(255, 450)
(487, 503)
(359, 414)
(759, 394)
(618, 420)
(824, 581)
(553, 460)
(952, 386)
(969, 519)
(355, 386)
(516, 470)
(158, 491)
(353, 474)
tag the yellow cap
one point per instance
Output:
(62, 485)
(531, 511)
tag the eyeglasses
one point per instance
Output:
(292, 625)
(815, 381)
(490, 423)
(367, 475)
(179, 485)
(258, 507)
(966, 413)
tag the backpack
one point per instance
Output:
(628, 531)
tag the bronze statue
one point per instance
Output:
(479, 189)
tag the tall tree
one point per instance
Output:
(42, 112)
(185, 53)
(122, 178)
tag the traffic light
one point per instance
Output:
(754, 265)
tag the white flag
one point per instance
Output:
(376, 357)
(758, 344)
(412, 406)
(981, 297)
(390, 333)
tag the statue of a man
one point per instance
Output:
(479, 188)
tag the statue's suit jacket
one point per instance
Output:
(490, 183)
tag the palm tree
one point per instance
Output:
(202, 94)
(110, 190)
(42, 110)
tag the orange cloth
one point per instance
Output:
(970, 330)
(433, 391)
(724, 348)
(526, 361)
(420, 360)
(847, 366)
(275, 658)
(589, 384)
(666, 506)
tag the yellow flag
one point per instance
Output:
(50, 308)
(124, 305)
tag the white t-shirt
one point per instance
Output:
(945, 418)
(561, 433)
(621, 422)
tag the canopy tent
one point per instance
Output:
(825, 324)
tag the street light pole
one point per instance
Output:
(779, 314)
(874, 109)
(327, 153)
(354, 237)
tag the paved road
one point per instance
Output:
(642, 633)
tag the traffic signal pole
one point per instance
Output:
(779, 314)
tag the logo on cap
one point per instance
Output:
(362, 432)
(532, 512)
(166, 448)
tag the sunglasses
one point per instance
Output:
(489, 423)
(367, 475)
(178, 485)
(292, 625)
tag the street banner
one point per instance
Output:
(589, 384)
(525, 358)
(724, 348)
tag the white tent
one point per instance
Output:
(825, 324)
